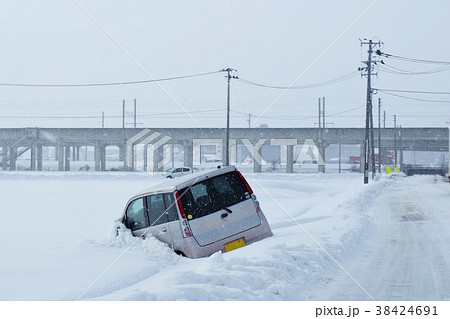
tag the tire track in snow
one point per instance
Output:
(405, 259)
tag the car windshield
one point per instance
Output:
(213, 194)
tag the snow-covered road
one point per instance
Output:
(407, 256)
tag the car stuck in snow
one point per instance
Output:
(199, 214)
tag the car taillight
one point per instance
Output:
(180, 205)
(184, 224)
(250, 190)
(187, 232)
(247, 185)
(258, 208)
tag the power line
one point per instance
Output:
(281, 118)
(53, 117)
(346, 111)
(178, 113)
(109, 83)
(387, 55)
(444, 65)
(411, 91)
(106, 116)
(413, 98)
(319, 84)
(394, 70)
(295, 118)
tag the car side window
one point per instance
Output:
(156, 209)
(135, 215)
(172, 213)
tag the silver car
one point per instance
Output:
(177, 171)
(199, 214)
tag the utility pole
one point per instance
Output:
(340, 153)
(368, 141)
(372, 142)
(320, 114)
(323, 112)
(395, 141)
(123, 113)
(379, 135)
(401, 147)
(227, 131)
(249, 120)
(103, 119)
(448, 157)
(135, 118)
(321, 166)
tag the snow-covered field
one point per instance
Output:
(334, 239)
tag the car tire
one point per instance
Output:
(180, 253)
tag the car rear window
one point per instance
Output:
(213, 194)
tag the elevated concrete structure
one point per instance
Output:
(16, 141)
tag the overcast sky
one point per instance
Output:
(268, 42)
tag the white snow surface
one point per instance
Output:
(334, 239)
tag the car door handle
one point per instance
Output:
(163, 230)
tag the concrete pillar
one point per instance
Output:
(188, 153)
(361, 158)
(286, 152)
(60, 157)
(103, 158)
(33, 158)
(12, 158)
(144, 157)
(256, 163)
(255, 149)
(321, 165)
(232, 159)
(122, 153)
(97, 157)
(100, 157)
(256, 167)
(67, 158)
(39, 157)
(5, 157)
(172, 154)
(290, 159)
(158, 156)
(233, 151)
(75, 153)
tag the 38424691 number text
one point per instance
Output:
(404, 311)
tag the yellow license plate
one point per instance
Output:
(235, 244)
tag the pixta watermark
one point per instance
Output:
(150, 151)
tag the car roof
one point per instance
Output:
(185, 180)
